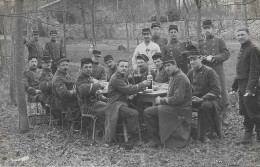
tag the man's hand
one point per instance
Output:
(158, 100)
(38, 92)
(209, 58)
(73, 91)
(146, 82)
(95, 80)
(197, 100)
(249, 93)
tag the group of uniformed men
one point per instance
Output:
(195, 76)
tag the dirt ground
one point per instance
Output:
(48, 146)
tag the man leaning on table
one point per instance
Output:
(170, 121)
(119, 91)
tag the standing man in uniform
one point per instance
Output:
(156, 35)
(161, 74)
(119, 91)
(34, 48)
(147, 47)
(248, 85)
(216, 53)
(98, 71)
(170, 121)
(55, 50)
(175, 48)
(45, 79)
(111, 66)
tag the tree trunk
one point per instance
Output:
(19, 57)
(11, 65)
(198, 4)
(127, 35)
(82, 10)
(93, 24)
(158, 14)
(245, 10)
(64, 27)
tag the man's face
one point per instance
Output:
(156, 31)
(122, 67)
(158, 63)
(110, 64)
(242, 36)
(96, 58)
(33, 63)
(46, 65)
(36, 37)
(63, 66)
(174, 34)
(141, 64)
(87, 69)
(207, 30)
(147, 37)
(53, 37)
(169, 68)
(195, 62)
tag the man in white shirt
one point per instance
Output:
(147, 47)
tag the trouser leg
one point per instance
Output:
(205, 112)
(152, 120)
(131, 116)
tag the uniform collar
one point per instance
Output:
(96, 63)
(199, 69)
(33, 69)
(210, 36)
(46, 69)
(119, 75)
(174, 41)
(246, 43)
(156, 37)
(62, 72)
(143, 70)
(176, 72)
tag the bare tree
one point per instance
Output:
(158, 14)
(82, 10)
(20, 64)
(199, 4)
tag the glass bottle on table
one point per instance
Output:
(150, 78)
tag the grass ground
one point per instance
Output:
(47, 146)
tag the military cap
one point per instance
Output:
(53, 32)
(46, 59)
(86, 61)
(35, 32)
(168, 59)
(157, 56)
(96, 52)
(207, 23)
(61, 59)
(108, 57)
(173, 27)
(143, 56)
(194, 53)
(146, 30)
(155, 25)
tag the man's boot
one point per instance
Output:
(154, 142)
(256, 145)
(248, 137)
(225, 119)
(204, 138)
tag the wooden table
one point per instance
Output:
(150, 97)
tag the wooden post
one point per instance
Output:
(245, 10)
(93, 24)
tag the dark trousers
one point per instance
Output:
(131, 116)
(152, 121)
(249, 108)
(206, 110)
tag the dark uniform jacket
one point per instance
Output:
(35, 49)
(160, 41)
(62, 84)
(98, 71)
(175, 50)
(45, 79)
(118, 92)
(55, 50)
(161, 76)
(217, 47)
(31, 81)
(175, 112)
(110, 72)
(206, 85)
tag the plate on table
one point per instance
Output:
(148, 90)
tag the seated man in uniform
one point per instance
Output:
(161, 74)
(143, 68)
(64, 90)
(117, 106)
(111, 66)
(88, 89)
(206, 95)
(45, 79)
(31, 82)
(170, 121)
(98, 71)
